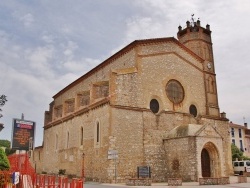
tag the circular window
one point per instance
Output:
(154, 106)
(175, 91)
(193, 110)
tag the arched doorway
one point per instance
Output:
(205, 163)
(210, 161)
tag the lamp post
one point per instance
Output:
(83, 175)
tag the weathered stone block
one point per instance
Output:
(208, 181)
(174, 181)
(139, 182)
(223, 181)
(242, 179)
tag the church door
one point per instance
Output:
(205, 163)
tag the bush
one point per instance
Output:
(62, 171)
(6, 144)
(4, 162)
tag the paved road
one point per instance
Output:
(241, 185)
(233, 184)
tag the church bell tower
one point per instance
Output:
(198, 40)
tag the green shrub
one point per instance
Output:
(62, 171)
(4, 161)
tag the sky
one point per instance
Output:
(47, 44)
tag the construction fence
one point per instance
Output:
(7, 180)
(22, 175)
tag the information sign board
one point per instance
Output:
(143, 172)
(23, 133)
(112, 154)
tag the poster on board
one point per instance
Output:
(23, 132)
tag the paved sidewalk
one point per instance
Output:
(233, 184)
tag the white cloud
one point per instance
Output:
(82, 66)
(70, 48)
(139, 28)
(27, 19)
(40, 55)
(47, 38)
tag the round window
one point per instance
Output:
(175, 91)
(154, 106)
(193, 110)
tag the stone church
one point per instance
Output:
(153, 103)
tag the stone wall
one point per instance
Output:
(37, 159)
(127, 128)
(155, 65)
(66, 152)
(181, 161)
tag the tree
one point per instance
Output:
(6, 144)
(4, 162)
(3, 100)
(237, 153)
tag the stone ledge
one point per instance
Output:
(214, 181)
(138, 182)
(174, 181)
(208, 181)
(242, 179)
(223, 181)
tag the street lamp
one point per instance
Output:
(83, 155)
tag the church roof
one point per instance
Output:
(191, 130)
(184, 131)
(125, 50)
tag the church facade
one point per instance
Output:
(154, 103)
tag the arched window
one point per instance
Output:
(56, 142)
(211, 85)
(81, 136)
(97, 132)
(67, 140)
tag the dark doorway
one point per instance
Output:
(205, 163)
